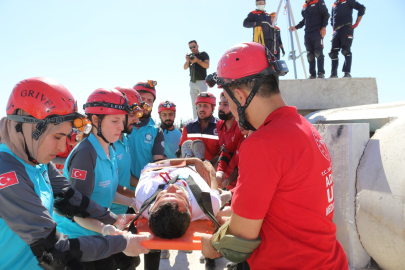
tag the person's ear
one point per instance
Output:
(94, 120)
(241, 96)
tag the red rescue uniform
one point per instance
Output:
(229, 139)
(285, 178)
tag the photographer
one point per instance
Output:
(198, 62)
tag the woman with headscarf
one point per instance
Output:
(40, 113)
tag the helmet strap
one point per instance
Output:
(126, 125)
(100, 118)
(241, 109)
(18, 128)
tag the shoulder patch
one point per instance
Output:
(8, 179)
(321, 144)
(79, 174)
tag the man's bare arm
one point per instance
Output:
(125, 191)
(133, 181)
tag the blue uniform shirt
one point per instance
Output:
(144, 143)
(15, 253)
(93, 174)
(123, 157)
(172, 140)
(315, 16)
(342, 12)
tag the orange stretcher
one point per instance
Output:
(191, 240)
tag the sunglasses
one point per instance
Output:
(192, 47)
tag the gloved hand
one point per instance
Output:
(355, 25)
(110, 230)
(123, 220)
(282, 49)
(134, 244)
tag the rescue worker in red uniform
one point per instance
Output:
(229, 137)
(281, 194)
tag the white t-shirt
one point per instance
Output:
(150, 181)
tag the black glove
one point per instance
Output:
(258, 24)
(178, 153)
(282, 49)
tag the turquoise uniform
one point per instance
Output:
(123, 157)
(93, 174)
(172, 140)
(144, 143)
(15, 253)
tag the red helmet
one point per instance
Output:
(45, 100)
(107, 101)
(41, 97)
(242, 60)
(132, 95)
(148, 86)
(207, 98)
(167, 105)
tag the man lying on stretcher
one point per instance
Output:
(175, 206)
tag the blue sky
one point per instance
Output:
(90, 44)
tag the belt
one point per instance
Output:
(337, 28)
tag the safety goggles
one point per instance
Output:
(167, 104)
(139, 108)
(192, 47)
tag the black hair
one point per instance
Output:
(268, 88)
(193, 41)
(168, 222)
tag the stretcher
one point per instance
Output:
(191, 240)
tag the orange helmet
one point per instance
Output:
(45, 100)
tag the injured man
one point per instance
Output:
(171, 194)
(185, 190)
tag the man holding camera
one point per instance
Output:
(198, 62)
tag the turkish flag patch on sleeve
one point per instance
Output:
(79, 174)
(8, 179)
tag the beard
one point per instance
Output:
(167, 124)
(145, 116)
(224, 116)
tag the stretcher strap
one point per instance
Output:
(203, 199)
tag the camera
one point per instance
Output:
(191, 56)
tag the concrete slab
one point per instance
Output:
(377, 115)
(179, 260)
(346, 144)
(320, 94)
(380, 201)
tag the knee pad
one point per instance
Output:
(318, 54)
(49, 258)
(346, 52)
(63, 207)
(334, 54)
(233, 248)
(311, 57)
